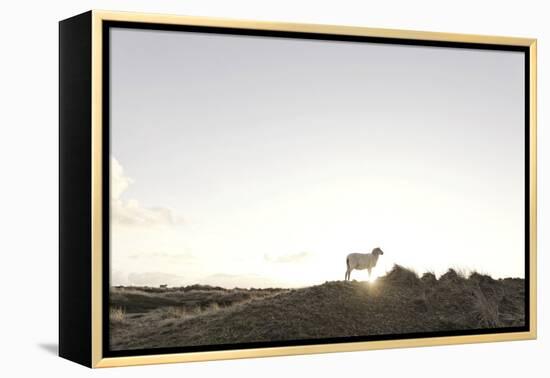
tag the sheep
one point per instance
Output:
(362, 261)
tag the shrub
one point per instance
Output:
(402, 275)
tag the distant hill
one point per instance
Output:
(399, 302)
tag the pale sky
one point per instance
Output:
(253, 161)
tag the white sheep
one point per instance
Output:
(362, 261)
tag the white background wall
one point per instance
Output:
(28, 162)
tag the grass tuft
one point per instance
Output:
(117, 315)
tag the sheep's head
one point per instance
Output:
(377, 251)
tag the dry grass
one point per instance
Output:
(180, 312)
(117, 315)
(399, 302)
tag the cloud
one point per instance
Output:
(228, 281)
(231, 281)
(155, 279)
(119, 181)
(288, 258)
(118, 278)
(131, 212)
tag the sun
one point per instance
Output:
(372, 278)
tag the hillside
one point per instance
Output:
(400, 302)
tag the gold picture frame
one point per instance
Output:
(82, 80)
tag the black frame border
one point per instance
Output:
(107, 25)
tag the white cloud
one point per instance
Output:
(119, 181)
(155, 279)
(118, 278)
(130, 211)
(230, 281)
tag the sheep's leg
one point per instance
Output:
(347, 275)
(369, 269)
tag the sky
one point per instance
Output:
(256, 162)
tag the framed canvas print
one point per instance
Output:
(235, 189)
